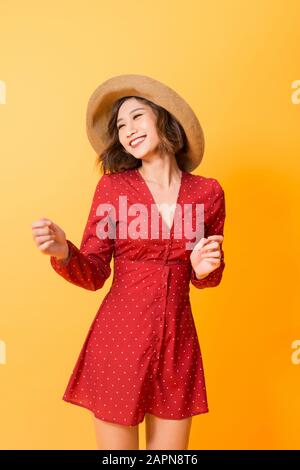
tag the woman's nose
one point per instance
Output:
(130, 132)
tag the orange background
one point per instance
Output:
(235, 62)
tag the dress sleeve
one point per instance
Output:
(89, 266)
(215, 227)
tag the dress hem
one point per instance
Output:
(139, 420)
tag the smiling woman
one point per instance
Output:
(164, 135)
(141, 356)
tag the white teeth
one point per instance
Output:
(134, 142)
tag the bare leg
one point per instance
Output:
(116, 436)
(167, 433)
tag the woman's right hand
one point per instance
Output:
(49, 238)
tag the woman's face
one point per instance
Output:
(136, 119)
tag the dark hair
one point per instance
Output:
(172, 137)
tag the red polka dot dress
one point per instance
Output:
(141, 353)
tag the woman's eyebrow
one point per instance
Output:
(132, 111)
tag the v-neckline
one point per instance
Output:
(142, 179)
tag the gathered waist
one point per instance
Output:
(123, 265)
(153, 273)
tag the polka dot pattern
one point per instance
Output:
(142, 352)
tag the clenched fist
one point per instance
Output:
(50, 238)
(206, 255)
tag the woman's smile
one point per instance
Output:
(137, 142)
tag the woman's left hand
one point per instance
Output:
(206, 255)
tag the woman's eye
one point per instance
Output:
(133, 118)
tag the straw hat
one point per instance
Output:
(103, 98)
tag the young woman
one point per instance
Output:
(141, 357)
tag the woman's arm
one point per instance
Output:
(89, 266)
(215, 227)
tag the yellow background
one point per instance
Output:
(234, 62)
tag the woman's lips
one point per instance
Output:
(138, 141)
